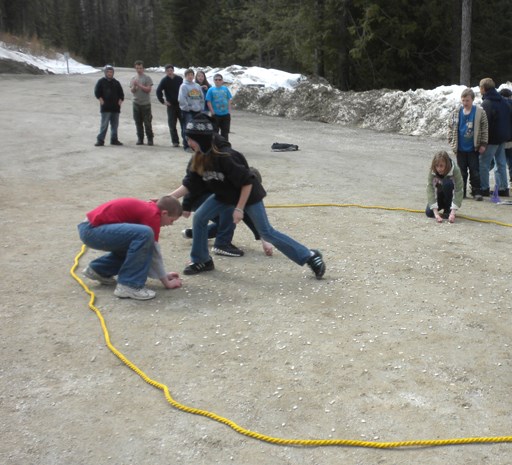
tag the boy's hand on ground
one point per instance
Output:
(451, 218)
(172, 280)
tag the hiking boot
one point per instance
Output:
(150, 141)
(137, 293)
(228, 250)
(99, 143)
(116, 142)
(91, 274)
(195, 268)
(316, 263)
(139, 142)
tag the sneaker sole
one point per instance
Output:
(224, 253)
(131, 296)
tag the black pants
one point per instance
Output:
(173, 116)
(223, 124)
(468, 161)
(444, 194)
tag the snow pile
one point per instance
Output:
(57, 65)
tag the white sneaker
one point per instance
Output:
(126, 292)
(91, 274)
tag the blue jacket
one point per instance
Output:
(498, 116)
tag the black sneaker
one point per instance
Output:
(195, 268)
(99, 143)
(317, 264)
(139, 142)
(116, 142)
(228, 250)
(150, 141)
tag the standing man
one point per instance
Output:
(219, 99)
(468, 135)
(191, 101)
(110, 94)
(498, 115)
(170, 86)
(507, 95)
(141, 86)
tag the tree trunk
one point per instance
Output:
(465, 44)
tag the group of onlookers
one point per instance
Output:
(184, 99)
(481, 138)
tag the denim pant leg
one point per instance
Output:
(130, 246)
(285, 244)
(508, 156)
(500, 170)
(207, 211)
(225, 227)
(114, 124)
(485, 165)
(105, 118)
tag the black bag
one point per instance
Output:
(282, 147)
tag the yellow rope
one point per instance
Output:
(263, 437)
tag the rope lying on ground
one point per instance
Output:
(275, 440)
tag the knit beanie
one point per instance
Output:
(200, 129)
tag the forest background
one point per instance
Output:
(354, 44)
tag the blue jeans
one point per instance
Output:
(221, 227)
(106, 118)
(444, 198)
(212, 208)
(508, 156)
(498, 153)
(130, 246)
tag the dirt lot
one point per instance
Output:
(407, 337)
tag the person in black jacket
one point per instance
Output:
(170, 87)
(111, 96)
(235, 187)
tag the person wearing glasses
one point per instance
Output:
(218, 99)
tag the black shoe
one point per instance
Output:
(188, 234)
(316, 263)
(228, 250)
(195, 268)
(504, 193)
(115, 142)
(175, 144)
(485, 192)
(99, 144)
(139, 142)
(150, 141)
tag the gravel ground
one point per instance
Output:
(407, 337)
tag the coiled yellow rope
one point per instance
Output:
(270, 439)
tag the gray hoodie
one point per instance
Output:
(191, 97)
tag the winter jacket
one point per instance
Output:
(111, 92)
(480, 133)
(498, 116)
